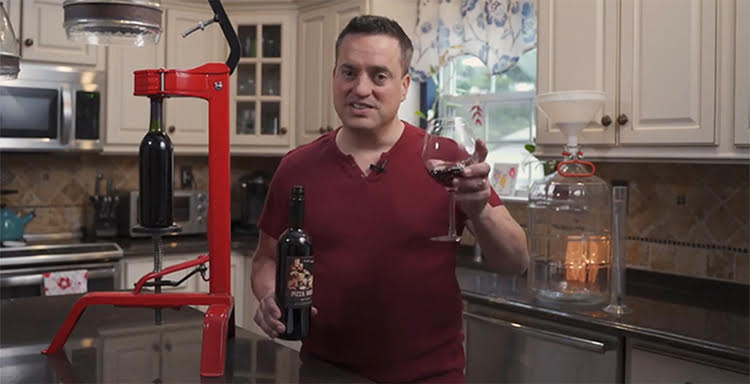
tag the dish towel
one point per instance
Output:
(65, 282)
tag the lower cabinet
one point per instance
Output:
(136, 267)
(651, 362)
(150, 353)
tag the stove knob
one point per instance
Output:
(200, 207)
(199, 219)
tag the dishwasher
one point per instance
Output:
(503, 346)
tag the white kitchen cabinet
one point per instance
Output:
(668, 72)
(187, 118)
(237, 277)
(43, 37)
(136, 267)
(318, 29)
(127, 358)
(261, 114)
(742, 75)
(655, 363)
(659, 64)
(130, 354)
(128, 115)
(577, 49)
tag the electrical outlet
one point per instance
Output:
(186, 177)
(681, 199)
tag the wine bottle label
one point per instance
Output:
(299, 281)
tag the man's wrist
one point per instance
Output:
(482, 215)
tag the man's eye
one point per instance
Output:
(381, 78)
(348, 73)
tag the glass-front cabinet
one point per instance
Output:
(262, 97)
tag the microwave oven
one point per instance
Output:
(189, 212)
(52, 108)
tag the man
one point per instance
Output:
(386, 302)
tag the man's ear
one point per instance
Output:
(405, 82)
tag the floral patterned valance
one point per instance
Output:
(497, 32)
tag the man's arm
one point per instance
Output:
(502, 240)
(263, 276)
(263, 282)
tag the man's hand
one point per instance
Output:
(268, 314)
(472, 188)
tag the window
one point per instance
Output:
(509, 108)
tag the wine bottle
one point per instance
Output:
(156, 172)
(294, 272)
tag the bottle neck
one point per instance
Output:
(296, 213)
(157, 112)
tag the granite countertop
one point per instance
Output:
(116, 344)
(679, 321)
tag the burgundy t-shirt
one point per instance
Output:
(389, 305)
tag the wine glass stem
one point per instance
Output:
(452, 214)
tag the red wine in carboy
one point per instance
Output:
(294, 272)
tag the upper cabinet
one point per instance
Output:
(127, 115)
(742, 74)
(667, 72)
(658, 63)
(43, 37)
(261, 117)
(577, 49)
(187, 118)
(318, 28)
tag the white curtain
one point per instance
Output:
(497, 32)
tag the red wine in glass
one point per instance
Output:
(448, 148)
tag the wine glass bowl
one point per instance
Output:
(449, 146)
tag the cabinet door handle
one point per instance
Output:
(283, 130)
(554, 337)
(622, 119)
(171, 129)
(322, 130)
(155, 347)
(28, 42)
(606, 120)
(329, 128)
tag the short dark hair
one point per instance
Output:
(378, 25)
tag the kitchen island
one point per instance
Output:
(114, 344)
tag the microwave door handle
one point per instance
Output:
(38, 278)
(67, 116)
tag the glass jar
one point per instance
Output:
(569, 234)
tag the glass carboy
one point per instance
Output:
(569, 234)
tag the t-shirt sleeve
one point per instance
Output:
(495, 199)
(274, 218)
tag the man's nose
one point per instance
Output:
(363, 85)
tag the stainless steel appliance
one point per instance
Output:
(51, 108)
(502, 346)
(190, 212)
(22, 268)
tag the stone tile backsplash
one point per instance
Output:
(57, 187)
(687, 219)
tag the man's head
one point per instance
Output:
(371, 77)
(378, 25)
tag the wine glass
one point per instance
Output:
(448, 148)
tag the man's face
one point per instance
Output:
(368, 85)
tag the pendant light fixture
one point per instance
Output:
(113, 22)
(9, 51)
